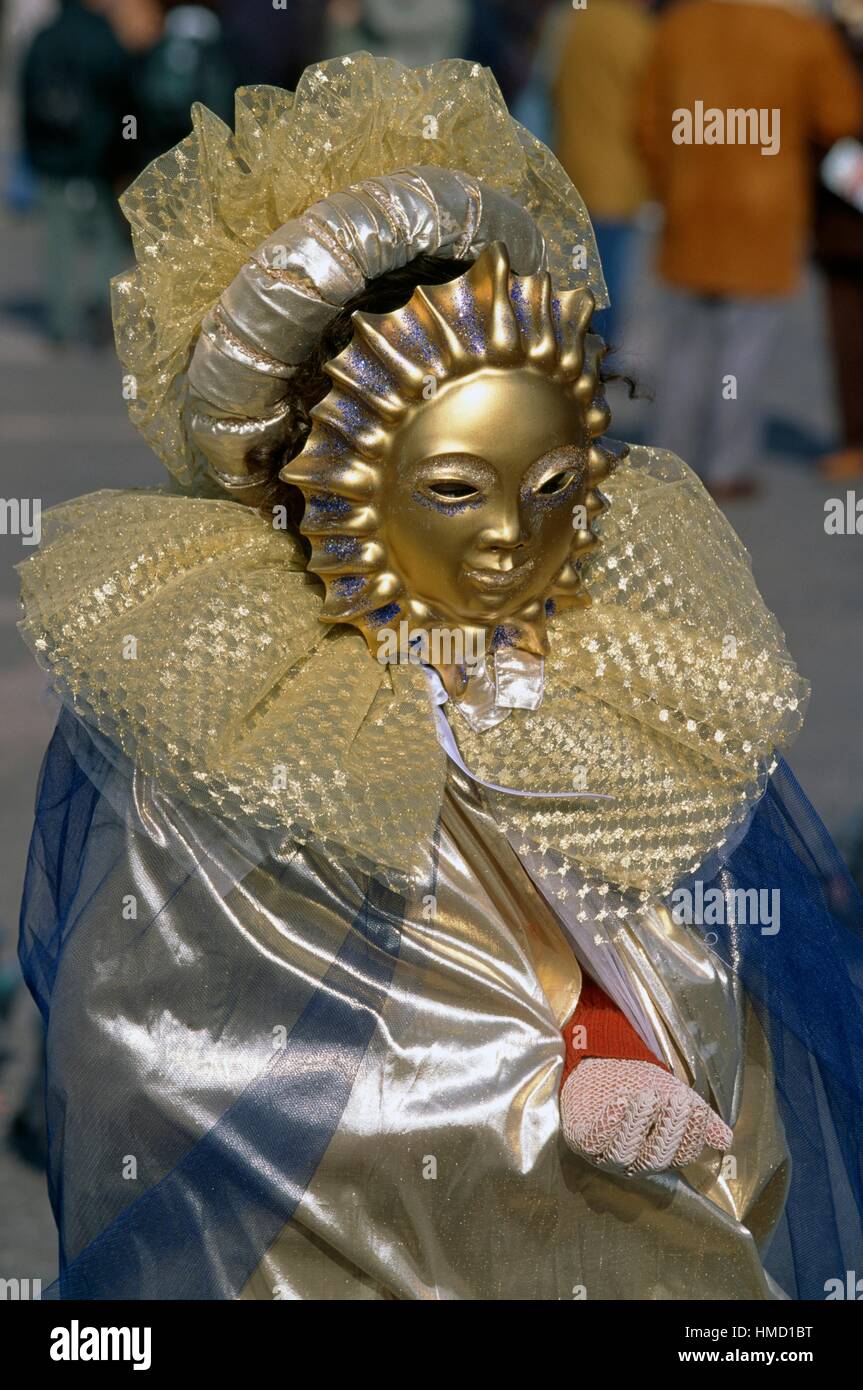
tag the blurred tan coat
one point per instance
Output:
(605, 48)
(738, 222)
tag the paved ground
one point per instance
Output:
(64, 431)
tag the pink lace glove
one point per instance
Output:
(635, 1117)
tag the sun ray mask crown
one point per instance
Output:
(451, 473)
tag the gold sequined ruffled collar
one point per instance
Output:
(188, 631)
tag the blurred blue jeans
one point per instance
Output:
(616, 242)
(712, 422)
(83, 249)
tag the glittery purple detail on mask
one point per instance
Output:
(371, 374)
(550, 607)
(467, 320)
(349, 585)
(379, 616)
(505, 635)
(418, 342)
(326, 444)
(519, 304)
(328, 504)
(555, 318)
(541, 502)
(354, 415)
(343, 547)
(447, 508)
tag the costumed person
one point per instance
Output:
(387, 902)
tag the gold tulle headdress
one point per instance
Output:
(669, 693)
(231, 246)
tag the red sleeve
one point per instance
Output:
(607, 1031)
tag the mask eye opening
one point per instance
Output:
(556, 483)
(451, 489)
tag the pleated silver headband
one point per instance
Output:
(241, 412)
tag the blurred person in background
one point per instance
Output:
(137, 24)
(737, 221)
(413, 31)
(603, 54)
(187, 60)
(74, 87)
(839, 252)
(273, 45)
(503, 36)
(19, 21)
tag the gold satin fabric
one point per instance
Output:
(448, 1179)
(446, 1175)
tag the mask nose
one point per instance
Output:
(508, 535)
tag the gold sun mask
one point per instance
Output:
(450, 475)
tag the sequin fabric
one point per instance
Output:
(188, 631)
(670, 694)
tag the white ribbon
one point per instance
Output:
(446, 739)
